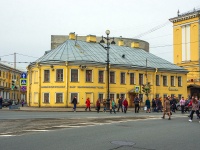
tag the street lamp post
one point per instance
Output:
(107, 47)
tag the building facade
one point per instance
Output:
(186, 44)
(78, 68)
(7, 75)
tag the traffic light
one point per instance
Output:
(13, 85)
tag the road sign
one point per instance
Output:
(23, 75)
(23, 88)
(23, 82)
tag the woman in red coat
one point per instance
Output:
(87, 104)
(125, 104)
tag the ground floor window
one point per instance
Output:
(72, 95)
(59, 97)
(100, 97)
(46, 98)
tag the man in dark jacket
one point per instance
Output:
(173, 104)
(74, 101)
(120, 104)
(137, 104)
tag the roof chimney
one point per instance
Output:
(72, 36)
(91, 38)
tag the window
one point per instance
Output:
(140, 79)
(179, 81)
(46, 98)
(186, 43)
(112, 96)
(59, 75)
(72, 95)
(132, 78)
(74, 75)
(101, 97)
(172, 81)
(122, 77)
(164, 80)
(112, 77)
(157, 80)
(88, 75)
(46, 75)
(179, 96)
(157, 95)
(101, 73)
(172, 95)
(164, 95)
(59, 97)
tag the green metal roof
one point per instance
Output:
(94, 53)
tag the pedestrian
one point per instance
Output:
(173, 104)
(153, 105)
(98, 105)
(147, 103)
(104, 105)
(112, 106)
(87, 104)
(22, 103)
(166, 108)
(195, 108)
(137, 104)
(74, 101)
(125, 104)
(158, 105)
(120, 104)
(182, 104)
(1, 100)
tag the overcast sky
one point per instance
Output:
(26, 26)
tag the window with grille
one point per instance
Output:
(122, 77)
(132, 78)
(46, 75)
(112, 77)
(74, 75)
(59, 97)
(88, 75)
(59, 75)
(101, 73)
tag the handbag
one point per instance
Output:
(145, 107)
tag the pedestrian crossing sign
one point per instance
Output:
(23, 82)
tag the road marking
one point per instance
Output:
(37, 130)
(8, 135)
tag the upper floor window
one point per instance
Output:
(179, 81)
(3, 74)
(141, 79)
(112, 77)
(88, 75)
(157, 80)
(46, 75)
(74, 75)
(172, 81)
(132, 78)
(101, 76)
(122, 77)
(164, 80)
(59, 74)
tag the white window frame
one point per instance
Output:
(71, 75)
(114, 77)
(91, 76)
(103, 95)
(71, 98)
(124, 77)
(56, 75)
(43, 97)
(62, 97)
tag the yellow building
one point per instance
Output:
(78, 68)
(7, 75)
(186, 34)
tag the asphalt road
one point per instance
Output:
(88, 131)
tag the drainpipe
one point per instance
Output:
(67, 84)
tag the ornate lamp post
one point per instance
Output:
(107, 47)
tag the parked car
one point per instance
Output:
(6, 102)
